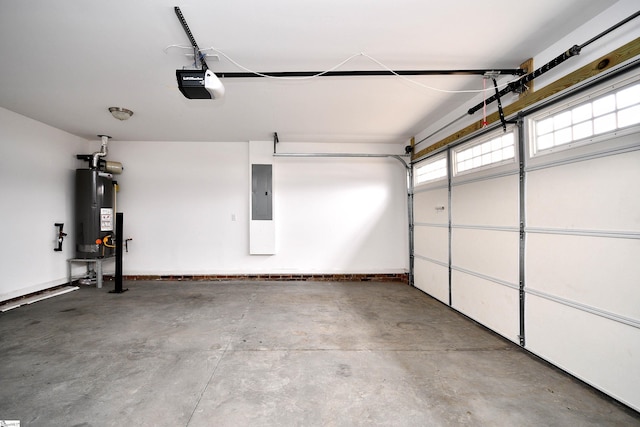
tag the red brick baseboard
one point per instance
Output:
(376, 277)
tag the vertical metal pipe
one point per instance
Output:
(119, 224)
(119, 241)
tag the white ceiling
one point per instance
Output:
(65, 62)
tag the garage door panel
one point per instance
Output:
(492, 202)
(598, 194)
(425, 204)
(488, 252)
(600, 351)
(432, 279)
(491, 304)
(581, 269)
(432, 242)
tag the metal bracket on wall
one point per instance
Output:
(61, 236)
(126, 244)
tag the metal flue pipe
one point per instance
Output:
(102, 153)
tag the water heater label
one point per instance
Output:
(106, 219)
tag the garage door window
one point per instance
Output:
(493, 151)
(579, 123)
(431, 170)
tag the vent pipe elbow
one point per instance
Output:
(102, 153)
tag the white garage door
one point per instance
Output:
(535, 233)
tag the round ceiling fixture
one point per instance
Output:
(120, 113)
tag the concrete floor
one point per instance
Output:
(275, 354)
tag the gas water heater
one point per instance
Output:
(95, 205)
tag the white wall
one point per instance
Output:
(37, 164)
(331, 215)
(187, 207)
